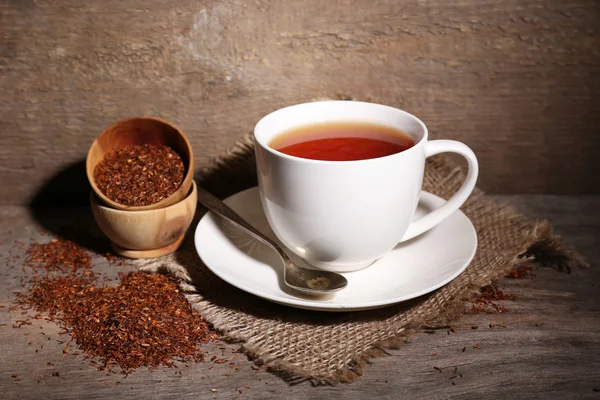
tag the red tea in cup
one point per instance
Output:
(342, 141)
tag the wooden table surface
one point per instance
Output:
(550, 347)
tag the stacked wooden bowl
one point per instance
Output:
(151, 230)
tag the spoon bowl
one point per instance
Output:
(137, 131)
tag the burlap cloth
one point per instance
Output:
(332, 347)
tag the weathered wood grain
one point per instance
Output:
(516, 80)
(550, 347)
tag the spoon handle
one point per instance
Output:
(218, 207)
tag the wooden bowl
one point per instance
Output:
(136, 131)
(149, 233)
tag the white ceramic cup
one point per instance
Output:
(343, 215)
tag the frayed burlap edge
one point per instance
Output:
(234, 170)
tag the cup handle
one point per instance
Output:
(430, 220)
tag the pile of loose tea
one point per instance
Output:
(145, 320)
(139, 175)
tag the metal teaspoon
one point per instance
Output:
(298, 278)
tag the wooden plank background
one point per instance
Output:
(517, 80)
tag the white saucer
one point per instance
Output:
(412, 269)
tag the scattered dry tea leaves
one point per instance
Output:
(144, 321)
(58, 255)
(54, 295)
(485, 300)
(139, 175)
(522, 271)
